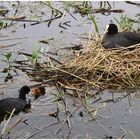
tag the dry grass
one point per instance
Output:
(115, 69)
(96, 67)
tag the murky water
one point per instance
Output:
(117, 120)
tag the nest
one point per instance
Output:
(112, 69)
(95, 67)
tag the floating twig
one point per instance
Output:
(7, 122)
(19, 19)
(134, 3)
(13, 38)
(5, 46)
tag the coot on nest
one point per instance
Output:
(8, 104)
(114, 39)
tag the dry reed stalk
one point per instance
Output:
(110, 68)
(97, 67)
(7, 122)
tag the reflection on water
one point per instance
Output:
(118, 114)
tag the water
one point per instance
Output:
(117, 120)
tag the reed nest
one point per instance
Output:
(95, 67)
(112, 69)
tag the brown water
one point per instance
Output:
(117, 120)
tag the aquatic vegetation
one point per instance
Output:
(8, 61)
(92, 18)
(2, 25)
(125, 22)
(35, 56)
(8, 57)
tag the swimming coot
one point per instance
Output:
(114, 39)
(8, 104)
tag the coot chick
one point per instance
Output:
(114, 39)
(38, 91)
(8, 104)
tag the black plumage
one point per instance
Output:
(8, 104)
(114, 39)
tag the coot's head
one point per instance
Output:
(38, 91)
(23, 91)
(111, 28)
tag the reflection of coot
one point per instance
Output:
(8, 104)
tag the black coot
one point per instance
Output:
(8, 104)
(114, 39)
